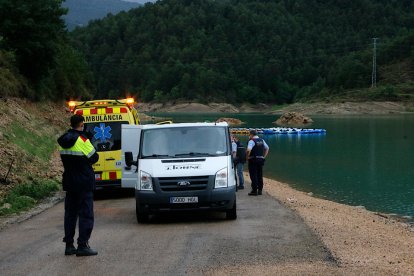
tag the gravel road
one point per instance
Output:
(265, 233)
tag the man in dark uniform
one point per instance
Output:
(78, 155)
(256, 152)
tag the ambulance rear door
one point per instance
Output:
(131, 136)
(106, 138)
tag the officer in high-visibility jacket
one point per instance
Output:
(78, 155)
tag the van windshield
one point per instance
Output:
(106, 136)
(184, 142)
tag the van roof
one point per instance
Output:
(154, 126)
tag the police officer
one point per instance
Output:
(256, 152)
(234, 156)
(239, 157)
(78, 155)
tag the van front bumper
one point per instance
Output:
(209, 200)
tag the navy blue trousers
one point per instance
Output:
(256, 174)
(78, 205)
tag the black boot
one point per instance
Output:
(253, 193)
(70, 249)
(85, 250)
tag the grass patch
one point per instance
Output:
(25, 196)
(41, 146)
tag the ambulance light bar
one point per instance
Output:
(100, 103)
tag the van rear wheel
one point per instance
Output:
(232, 213)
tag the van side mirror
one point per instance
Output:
(129, 160)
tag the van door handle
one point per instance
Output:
(110, 159)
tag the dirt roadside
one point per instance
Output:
(362, 242)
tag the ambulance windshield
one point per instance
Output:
(185, 142)
(106, 136)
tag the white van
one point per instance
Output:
(179, 167)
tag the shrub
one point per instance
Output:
(25, 196)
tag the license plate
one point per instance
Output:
(184, 199)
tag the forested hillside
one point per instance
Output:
(245, 50)
(36, 59)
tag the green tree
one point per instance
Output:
(33, 30)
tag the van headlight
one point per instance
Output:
(146, 181)
(221, 179)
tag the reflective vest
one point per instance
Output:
(258, 149)
(78, 155)
(82, 147)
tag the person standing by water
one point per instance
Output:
(234, 156)
(256, 153)
(239, 157)
(78, 155)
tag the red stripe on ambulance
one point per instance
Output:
(112, 175)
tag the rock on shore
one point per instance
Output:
(293, 119)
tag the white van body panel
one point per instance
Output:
(130, 141)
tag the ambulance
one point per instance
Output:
(103, 121)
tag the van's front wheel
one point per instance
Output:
(141, 216)
(232, 213)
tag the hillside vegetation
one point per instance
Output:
(36, 60)
(30, 166)
(252, 51)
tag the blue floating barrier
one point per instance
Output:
(279, 130)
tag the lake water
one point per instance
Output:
(361, 160)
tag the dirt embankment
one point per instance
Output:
(202, 108)
(28, 128)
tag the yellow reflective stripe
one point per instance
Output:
(101, 111)
(86, 112)
(105, 176)
(118, 174)
(85, 147)
(116, 110)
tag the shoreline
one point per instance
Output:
(360, 241)
(316, 108)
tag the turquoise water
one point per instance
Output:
(362, 160)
